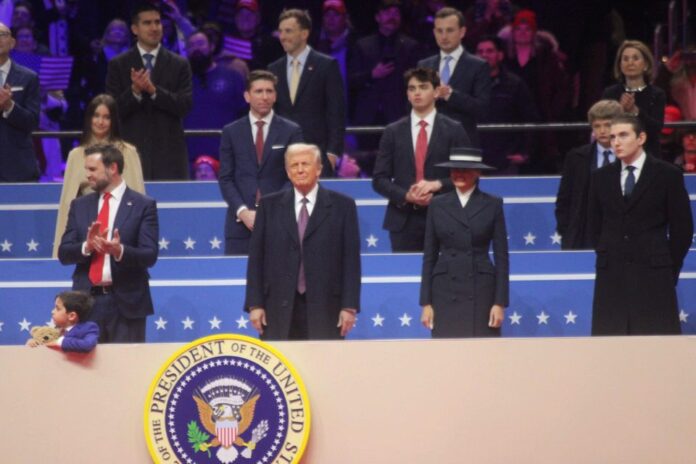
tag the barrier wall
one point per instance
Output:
(575, 400)
(192, 215)
(550, 295)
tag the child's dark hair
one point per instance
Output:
(77, 302)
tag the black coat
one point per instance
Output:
(458, 278)
(155, 126)
(640, 244)
(571, 201)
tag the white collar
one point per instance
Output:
(266, 119)
(311, 196)
(429, 118)
(456, 54)
(154, 52)
(118, 191)
(638, 163)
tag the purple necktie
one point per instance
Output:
(302, 221)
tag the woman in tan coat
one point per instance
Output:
(101, 126)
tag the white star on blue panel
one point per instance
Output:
(405, 320)
(570, 317)
(163, 244)
(215, 243)
(543, 318)
(377, 321)
(190, 243)
(683, 316)
(24, 325)
(215, 323)
(372, 241)
(6, 246)
(242, 322)
(188, 323)
(555, 238)
(161, 324)
(529, 239)
(32, 245)
(515, 318)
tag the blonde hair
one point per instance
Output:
(647, 57)
(604, 109)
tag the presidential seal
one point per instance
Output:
(227, 399)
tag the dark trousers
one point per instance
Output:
(114, 328)
(410, 239)
(236, 246)
(298, 323)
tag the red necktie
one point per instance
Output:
(421, 150)
(302, 221)
(96, 267)
(259, 141)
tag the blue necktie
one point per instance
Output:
(445, 77)
(630, 182)
(148, 57)
(606, 160)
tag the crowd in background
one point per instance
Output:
(563, 52)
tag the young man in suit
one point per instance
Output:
(571, 200)
(466, 82)
(303, 274)
(111, 237)
(251, 159)
(641, 223)
(405, 171)
(153, 89)
(19, 115)
(310, 88)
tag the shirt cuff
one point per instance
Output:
(84, 249)
(6, 113)
(120, 257)
(239, 210)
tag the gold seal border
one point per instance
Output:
(238, 337)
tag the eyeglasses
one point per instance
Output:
(4, 34)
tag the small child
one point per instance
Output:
(71, 308)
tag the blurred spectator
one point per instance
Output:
(511, 102)
(687, 160)
(249, 41)
(486, 18)
(670, 144)
(20, 104)
(26, 42)
(376, 70)
(101, 125)
(23, 14)
(221, 55)
(682, 87)
(310, 89)
(153, 89)
(465, 89)
(205, 167)
(633, 69)
(422, 22)
(218, 93)
(533, 58)
(336, 37)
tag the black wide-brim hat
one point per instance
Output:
(466, 158)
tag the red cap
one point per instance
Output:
(209, 160)
(672, 113)
(525, 16)
(336, 5)
(252, 5)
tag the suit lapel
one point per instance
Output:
(273, 133)
(454, 208)
(124, 209)
(615, 188)
(307, 72)
(435, 138)
(458, 71)
(320, 212)
(289, 219)
(406, 136)
(283, 85)
(477, 203)
(160, 64)
(645, 179)
(250, 141)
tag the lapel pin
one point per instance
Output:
(130, 203)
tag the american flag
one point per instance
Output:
(54, 72)
(238, 47)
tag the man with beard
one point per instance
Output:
(111, 237)
(218, 92)
(153, 89)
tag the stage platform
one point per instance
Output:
(192, 215)
(550, 296)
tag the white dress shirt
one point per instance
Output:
(415, 126)
(311, 196)
(638, 165)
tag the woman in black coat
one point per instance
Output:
(633, 69)
(463, 294)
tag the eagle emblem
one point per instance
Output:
(226, 409)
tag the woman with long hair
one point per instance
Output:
(101, 126)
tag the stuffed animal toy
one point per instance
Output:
(44, 334)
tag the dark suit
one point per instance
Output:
(82, 338)
(320, 107)
(331, 250)
(154, 126)
(458, 278)
(571, 201)
(471, 91)
(395, 172)
(241, 176)
(640, 244)
(137, 223)
(17, 157)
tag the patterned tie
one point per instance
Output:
(148, 57)
(294, 79)
(302, 221)
(630, 182)
(96, 267)
(445, 75)
(606, 154)
(421, 150)
(259, 141)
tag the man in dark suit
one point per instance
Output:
(574, 188)
(251, 159)
(641, 223)
(405, 171)
(303, 275)
(376, 69)
(466, 81)
(111, 237)
(310, 88)
(153, 89)
(19, 115)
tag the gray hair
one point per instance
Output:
(297, 148)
